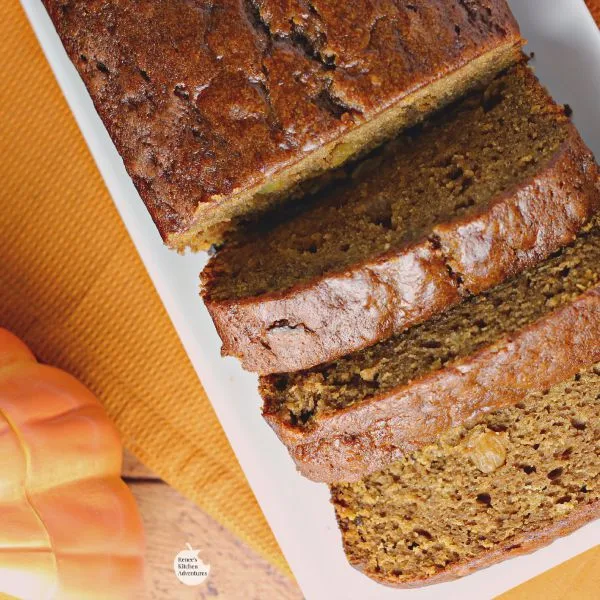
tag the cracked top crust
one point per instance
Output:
(206, 99)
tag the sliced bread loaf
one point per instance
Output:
(477, 194)
(355, 415)
(505, 484)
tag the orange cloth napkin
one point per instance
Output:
(72, 286)
(576, 579)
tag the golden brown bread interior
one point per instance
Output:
(505, 484)
(451, 167)
(214, 223)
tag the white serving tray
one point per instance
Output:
(567, 59)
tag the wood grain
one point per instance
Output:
(171, 521)
(133, 469)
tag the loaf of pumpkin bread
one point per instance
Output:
(478, 193)
(220, 108)
(353, 416)
(502, 485)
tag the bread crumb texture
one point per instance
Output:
(481, 487)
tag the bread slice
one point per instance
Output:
(504, 484)
(345, 419)
(477, 194)
(220, 108)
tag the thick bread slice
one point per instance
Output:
(483, 191)
(502, 485)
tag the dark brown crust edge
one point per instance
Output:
(363, 438)
(340, 313)
(517, 546)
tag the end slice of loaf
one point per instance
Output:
(345, 419)
(505, 484)
(482, 191)
(220, 108)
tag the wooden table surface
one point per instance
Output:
(237, 572)
(171, 521)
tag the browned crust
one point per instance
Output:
(527, 224)
(339, 313)
(521, 544)
(208, 101)
(348, 444)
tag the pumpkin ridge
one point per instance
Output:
(73, 411)
(22, 447)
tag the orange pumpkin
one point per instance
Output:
(69, 526)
